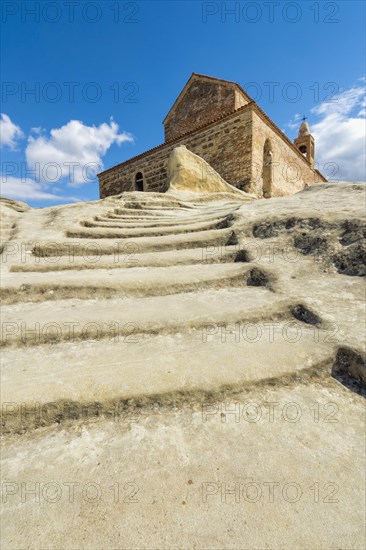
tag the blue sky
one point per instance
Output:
(104, 75)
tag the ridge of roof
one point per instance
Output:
(224, 80)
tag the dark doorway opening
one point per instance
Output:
(267, 174)
(139, 182)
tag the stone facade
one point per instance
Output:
(290, 170)
(226, 145)
(202, 100)
(217, 120)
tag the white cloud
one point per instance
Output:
(27, 189)
(73, 151)
(294, 123)
(340, 135)
(37, 130)
(9, 132)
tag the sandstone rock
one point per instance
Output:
(184, 370)
(189, 172)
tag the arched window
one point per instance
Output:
(139, 182)
(267, 174)
(303, 149)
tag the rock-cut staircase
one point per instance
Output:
(147, 296)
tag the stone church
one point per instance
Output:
(217, 120)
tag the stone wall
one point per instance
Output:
(203, 101)
(290, 170)
(226, 145)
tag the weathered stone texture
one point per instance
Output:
(185, 171)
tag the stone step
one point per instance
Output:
(127, 213)
(162, 219)
(103, 283)
(73, 320)
(151, 369)
(168, 214)
(73, 247)
(169, 201)
(120, 210)
(95, 231)
(153, 209)
(178, 206)
(136, 223)
(128, 258)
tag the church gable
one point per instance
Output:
(202, 100)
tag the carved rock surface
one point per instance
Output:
(189, 172)
(184, 370)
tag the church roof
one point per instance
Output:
(197, 76)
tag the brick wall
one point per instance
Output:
(226, 145)
(203, 101)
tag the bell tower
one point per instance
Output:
(305, 142)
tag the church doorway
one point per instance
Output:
(267, 174)
(139, 182)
